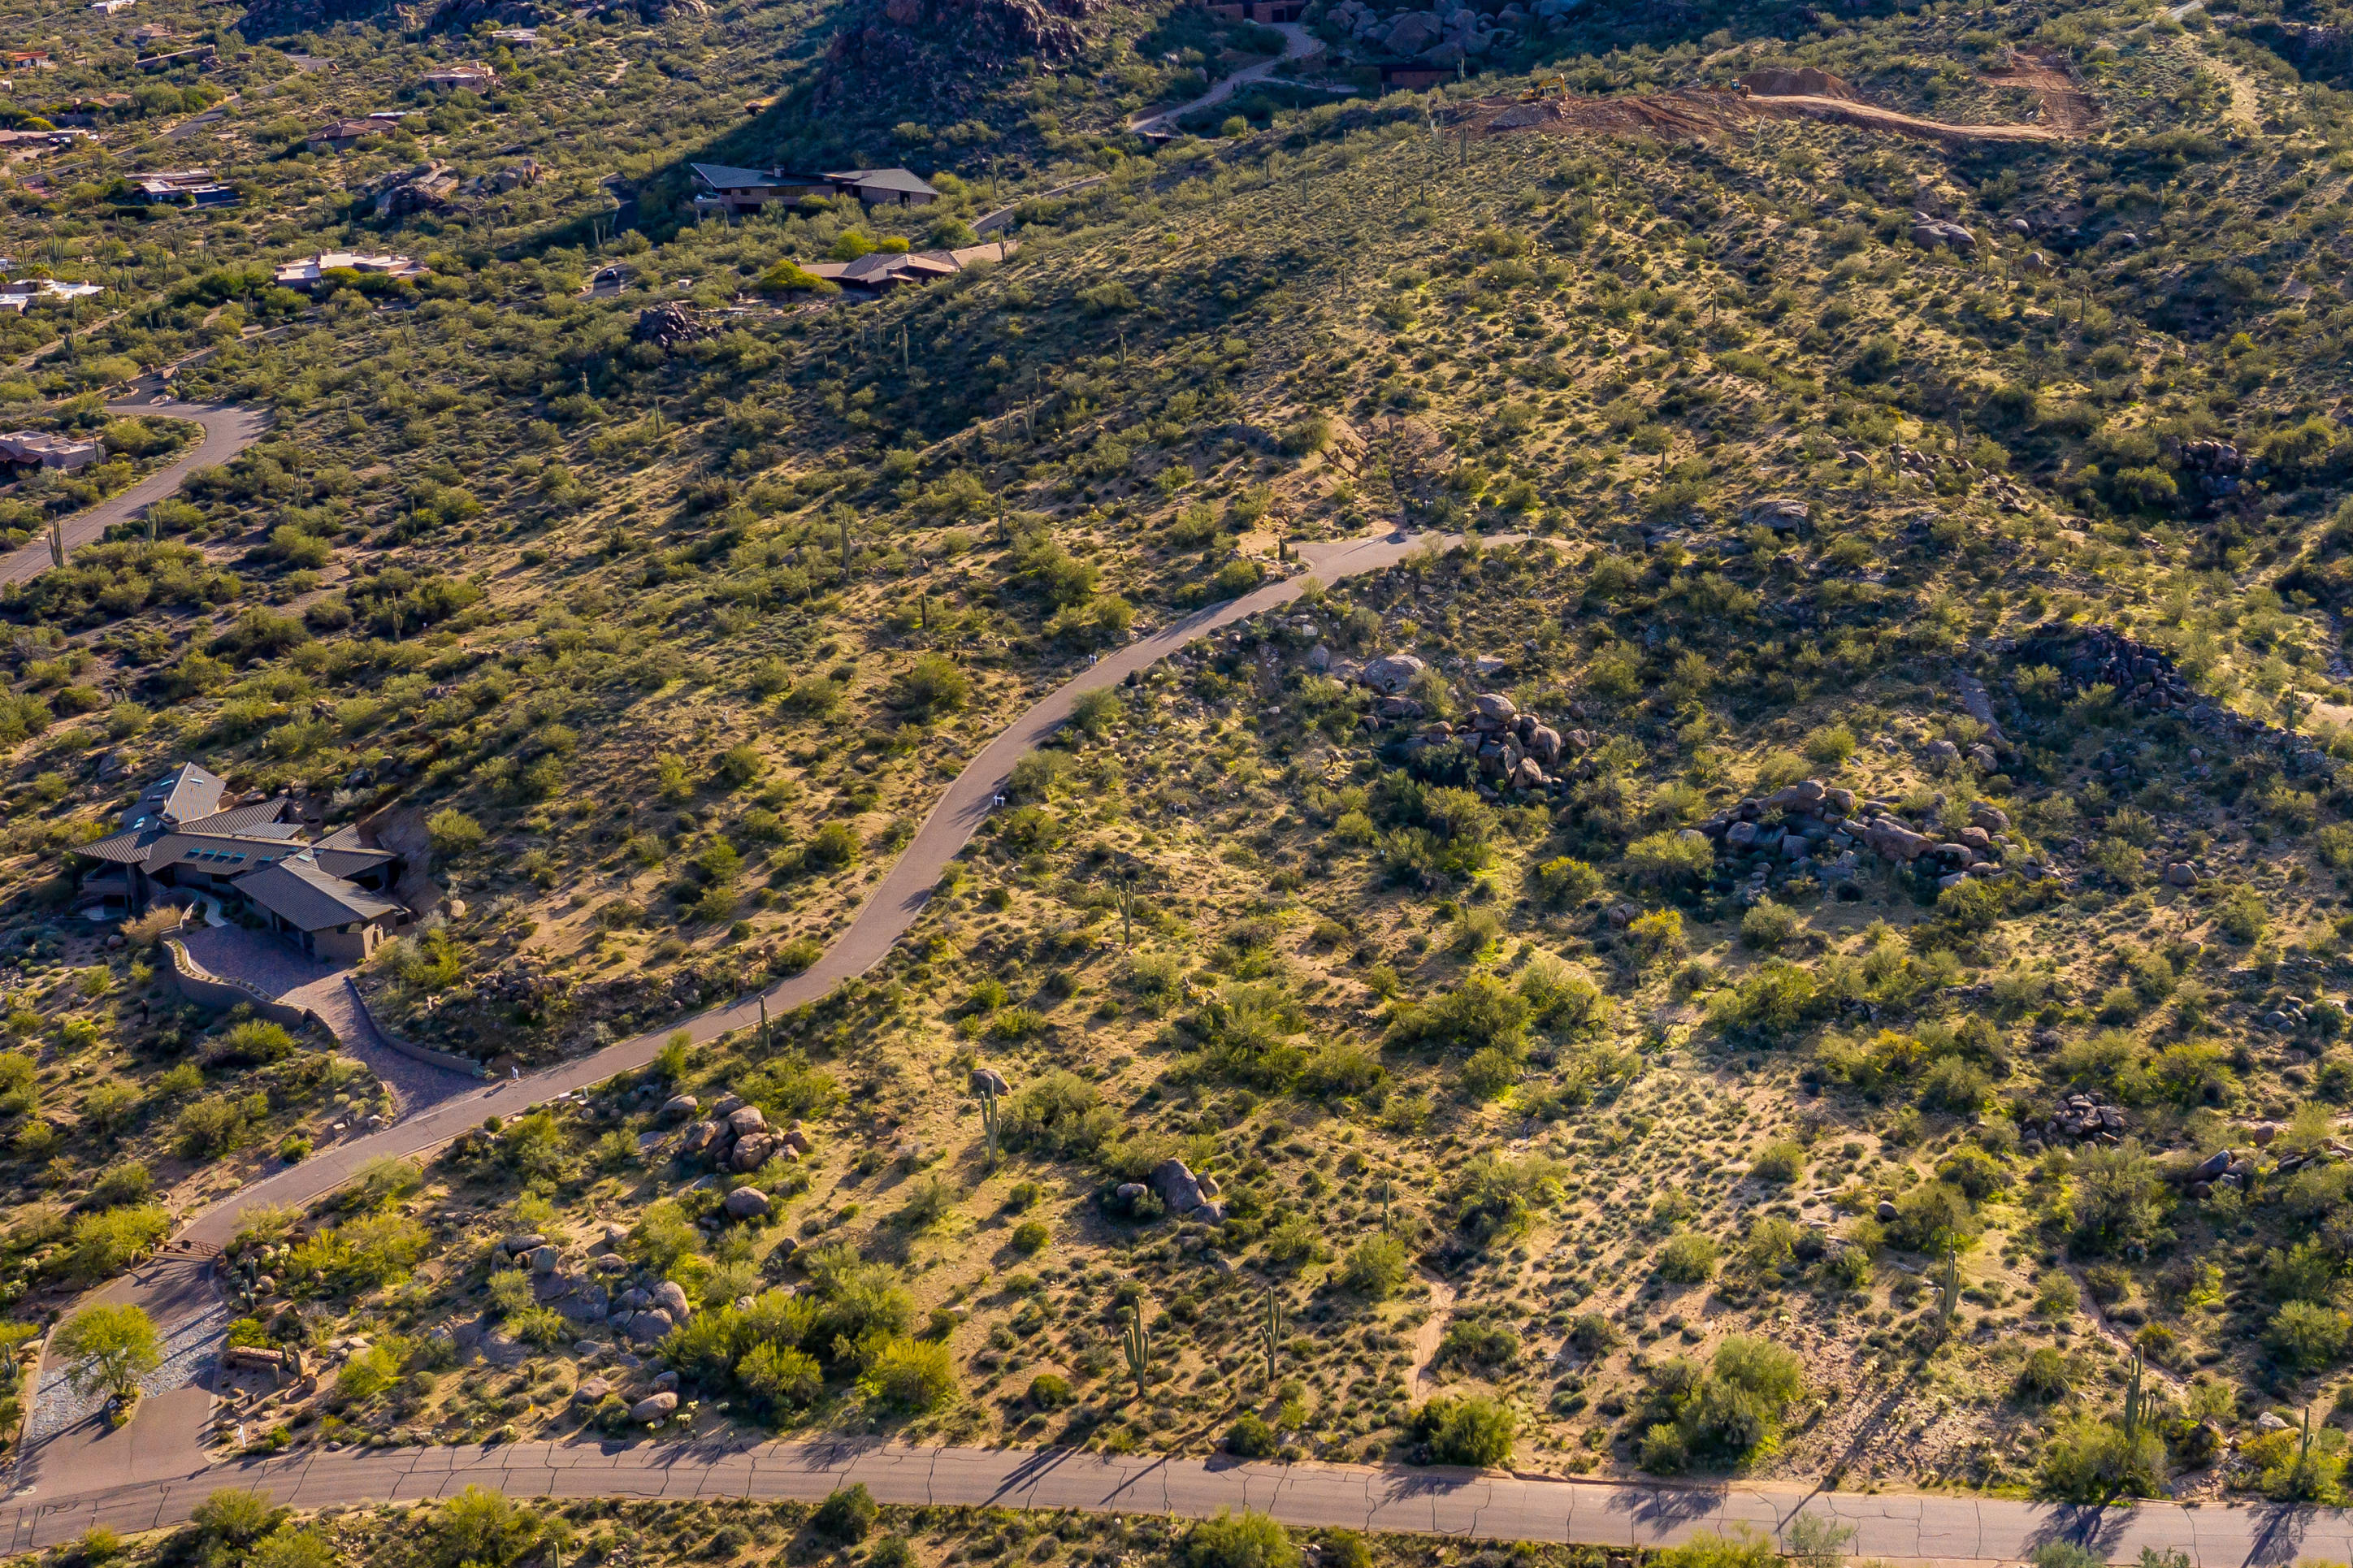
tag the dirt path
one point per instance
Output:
(2108, 1331)
(1432, 1330)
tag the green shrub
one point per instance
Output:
(2045, 1375)
(847, 1514)
(1689, 1258)
(2309, 1336)
(1781, 1160)
(1471, 1429)
(1250, 1437)
(2093, 1460)
(1667, 861)
(1768, 925)
(1244, 1540)
(1377, 1266)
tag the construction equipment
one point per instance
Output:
(1546, 87)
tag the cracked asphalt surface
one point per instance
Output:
(1471, 1504)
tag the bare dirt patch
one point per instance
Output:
(1706, 114)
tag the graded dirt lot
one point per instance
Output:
(1704, 113)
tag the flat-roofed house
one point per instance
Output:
(196, 187)
(305, 273)
(45, 450)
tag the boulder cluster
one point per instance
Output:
(1181, 1193)
(2144, 676)
(2219, 468)
(1448, 34)
(734, 1136)
(2083, 1117)
(1513, 750)
(1814, 827)
(1928, 233)
(599, 1285)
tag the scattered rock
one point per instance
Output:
(747, 1202)
(654, 1406)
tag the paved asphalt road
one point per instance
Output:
(1480, 1505)
(227, 431)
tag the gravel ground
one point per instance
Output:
(189, 1348)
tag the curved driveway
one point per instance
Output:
(1487, 1505)
(228, 430)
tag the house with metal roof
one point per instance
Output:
(731, 191)
(724, 188)
(882, 270)
(186, 841)
(885, 187)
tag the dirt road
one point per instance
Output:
(1298, 44)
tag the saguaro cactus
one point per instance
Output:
(2133, 1402)
(1950, 1289)
(1269, 1330)
(988, 1083)
(56, 545)
(1136, 1340)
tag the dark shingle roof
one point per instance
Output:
(260, 816)
(308, 899)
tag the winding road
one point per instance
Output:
(156, 1471)
(227, 430)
